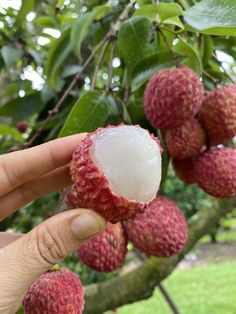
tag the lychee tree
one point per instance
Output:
(76, 66)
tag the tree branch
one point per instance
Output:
(112, 33)
(140, 283)
(99, 63)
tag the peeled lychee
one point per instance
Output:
(215, 172)
(186, 141)
(55, 292)
(218, 114)
(116, 171)
(106, 251)
(22, 126)
(160, 230)
(184, 169)
(172, 96)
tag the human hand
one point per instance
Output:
(24, 176)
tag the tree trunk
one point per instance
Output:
(140, 283)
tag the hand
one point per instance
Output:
(24, 176)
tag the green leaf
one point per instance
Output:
(148, 66)
(213, 17)
(88, 113)
(207, 49)
(22, 108)
(165, 11)
(59, 51)
(10, 55)
(192, 57)
(134, 40)
(6, 130)
(26, 7)
(81, 27)
(44, 21)
(174, 21)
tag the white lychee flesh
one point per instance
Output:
(131, 161)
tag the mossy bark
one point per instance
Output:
(141, 282)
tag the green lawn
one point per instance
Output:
(209, 289)
(221, 237)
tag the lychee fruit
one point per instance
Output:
(160, 230)
(215, 172)
(218, 114)
(186, 141)
(22, 126)
(184, 169)
(106, 251)
(172, 96)
(55, 292)
(115, 171)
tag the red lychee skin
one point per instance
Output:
(186, 141)
(56, 292)
(172, 96)
(22, 126)
(218, 114)
(91, 189)
(184, 169)
(160, 230)
(215, 172)
(106, 251)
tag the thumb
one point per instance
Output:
(34, 253)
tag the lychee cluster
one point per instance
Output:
(116, 171)
(55, 292)
(194, 122)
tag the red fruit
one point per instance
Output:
(215, 172)
(56, 292)
(218, 114)
(186, 141)
(184, 169)
(115, 171)
(172, 96)
(106, 251)
(160, 230)
(22, 126)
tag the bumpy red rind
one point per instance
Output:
(160, 230)
(215, 172)
(55, 292)
(186, 141)
(218, 114)
(184, 169)
(105, 252)
(91, 189)
(172, 96)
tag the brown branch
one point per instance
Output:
(52, 112)
(140, 283)
(99, 63)
(214, 80)
(162, 289)
(225, 72)
(110, 68)
(175, 57)
(114, 29)
(126, 87)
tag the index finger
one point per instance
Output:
(20, 167)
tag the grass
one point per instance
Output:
(198, 290)
(229, 235)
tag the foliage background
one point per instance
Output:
(72, 66)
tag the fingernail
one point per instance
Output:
(86, 225)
